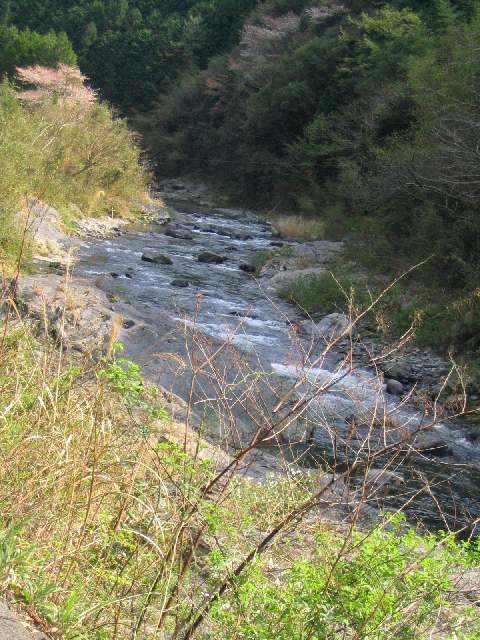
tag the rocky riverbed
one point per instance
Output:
(181, 295)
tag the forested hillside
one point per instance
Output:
(364, 114)
(134, 49)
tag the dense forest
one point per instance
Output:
(364, 114)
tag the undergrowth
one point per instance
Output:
(441, 322)
(322, 293)
(96, 492)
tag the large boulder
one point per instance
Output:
(80, 319)
(400, 370)
(432, 444)
(51, 244)
(15, 627)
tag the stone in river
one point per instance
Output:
(382, 481)
(156, 258)
(248, 268)
(276, 243)
(210, 258)
(179, 283)
(431, 444)
(128, 324)
(399, 370)
(180, 235)
(115, 275)
(394, 386)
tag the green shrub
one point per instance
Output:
(441, 326)
(432, 324)
(386, 585)
(262, 257)
(324, 293)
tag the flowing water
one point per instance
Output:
(236, 307)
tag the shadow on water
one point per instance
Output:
(440, 494)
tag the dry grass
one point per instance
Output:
(300, 228)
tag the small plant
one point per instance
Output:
(370, 590)
(262, 257)
(124, 377)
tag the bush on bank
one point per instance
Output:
(60, 145)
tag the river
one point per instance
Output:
(164, 303)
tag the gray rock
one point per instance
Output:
(382, 482)
(180, 283)
(432, 444)
(332, 326)
(399, 370)
(11, 628)
(179, 235)
(156, 258)
(84, 323)
(99, 227)
(210, 258)
(394, 387)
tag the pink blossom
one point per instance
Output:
(64, 83)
